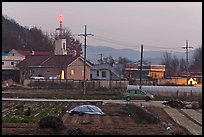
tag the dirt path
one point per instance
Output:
(193, 114)
(182, 120)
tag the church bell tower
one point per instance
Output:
(60, 41)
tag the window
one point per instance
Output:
(2, 63)
(82, 73)
(103, 74)
(72, 72)
(132, 91)
(64, 46)
(97, 73)
(140, 92)
(12, 63)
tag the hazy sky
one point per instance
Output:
(156, 25)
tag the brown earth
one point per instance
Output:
(117, 121)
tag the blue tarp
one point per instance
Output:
(86, 109)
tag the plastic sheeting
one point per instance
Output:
(86, 109)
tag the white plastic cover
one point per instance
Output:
(86, 109)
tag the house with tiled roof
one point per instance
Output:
(12, 58)
(14, 52)
(53, 65)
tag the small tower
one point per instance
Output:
(60, 42)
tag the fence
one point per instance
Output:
(78, 84)
(171, 90)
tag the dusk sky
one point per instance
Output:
(156, 25)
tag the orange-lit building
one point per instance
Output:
(132, 71)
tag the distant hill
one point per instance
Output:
(93, 54)
(15, 36)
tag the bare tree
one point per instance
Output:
(166, 60)
(172, 64)
(182, 65)
(72, 43)
(107, 60)
(196, 63)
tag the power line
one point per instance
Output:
(131, 45)
(115, 41)
(112, 41)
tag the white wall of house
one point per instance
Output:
(102, 74)
(10, 62)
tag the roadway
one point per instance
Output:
(137, 102)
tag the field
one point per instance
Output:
(126, 119)
(119, 119)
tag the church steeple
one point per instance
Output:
(60, 42)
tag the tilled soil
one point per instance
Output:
(116, 121)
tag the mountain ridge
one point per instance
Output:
(153, 57)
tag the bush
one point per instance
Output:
(51, 122)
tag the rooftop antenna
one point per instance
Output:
(60, 27)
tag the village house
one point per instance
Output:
(12, 58)
(71, 67)
(192, 81)
(9, 69)
(132, 71)
(103, 72)
(25, 53)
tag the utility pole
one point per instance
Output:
(187, 70)
(141, 67)
(85, 34)
(101, 59)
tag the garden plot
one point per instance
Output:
(119, 119)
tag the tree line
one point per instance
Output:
(176, 66)
(15, 36)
